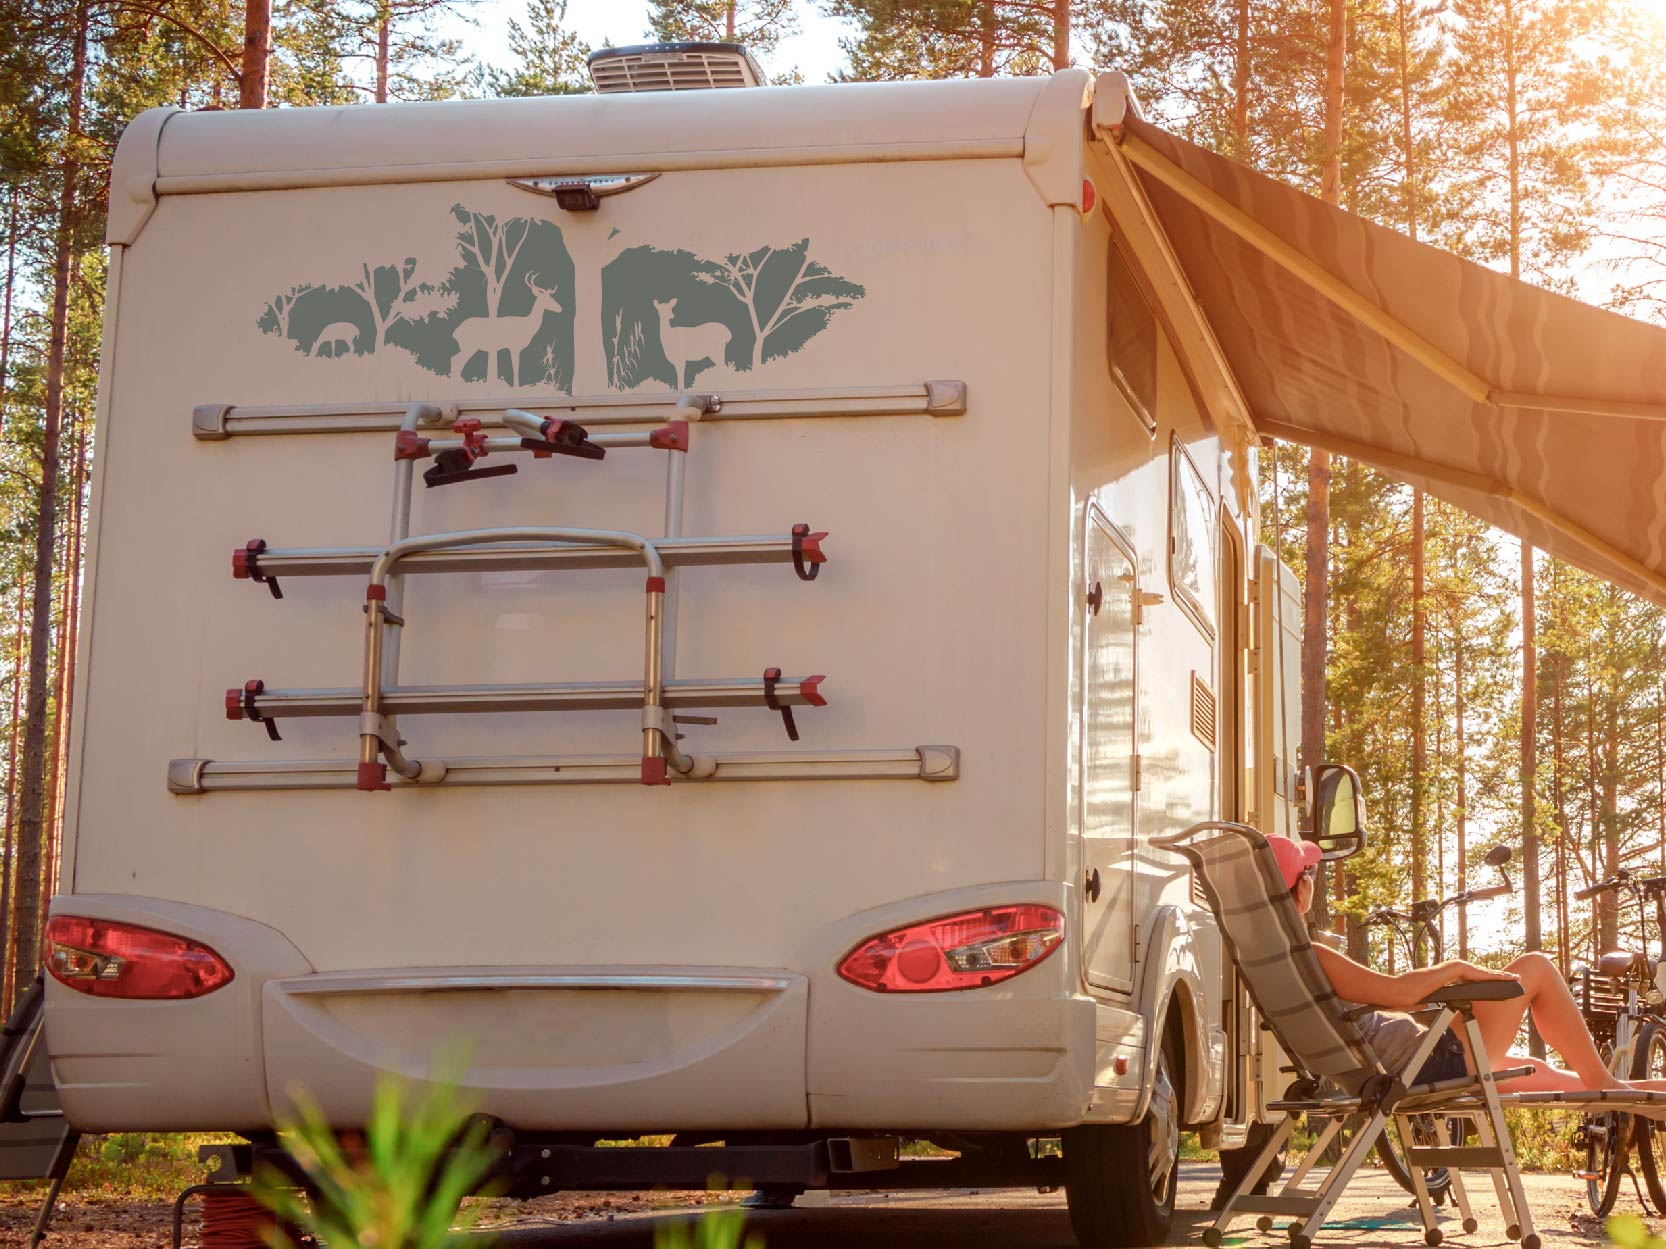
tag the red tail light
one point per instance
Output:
(106, 959)
(966, 951)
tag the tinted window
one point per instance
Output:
(1192, 541)
(1132, 341)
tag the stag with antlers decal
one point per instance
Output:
(517, 308)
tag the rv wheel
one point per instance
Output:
(1106, 1211)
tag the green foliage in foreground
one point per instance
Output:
(1629, 1232)
(402, 1187)
(715, 1228)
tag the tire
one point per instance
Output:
(1649, 1063)
(1109, 1208)
(1605, 1160)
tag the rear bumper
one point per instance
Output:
(613, 1050)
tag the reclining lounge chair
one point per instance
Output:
(1266, 936)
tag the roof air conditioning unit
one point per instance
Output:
(673, 67)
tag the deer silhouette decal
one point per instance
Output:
(492, 334)
(684, 345)
(340, 336)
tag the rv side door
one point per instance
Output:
(1108, 776)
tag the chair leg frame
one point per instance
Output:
(1309, 1207)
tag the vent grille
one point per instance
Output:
(665, 70)
(1203, 712)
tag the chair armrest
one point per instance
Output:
(1474, 991)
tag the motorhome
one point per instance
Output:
(704, 600)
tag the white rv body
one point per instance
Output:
(619, 958)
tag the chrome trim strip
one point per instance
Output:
(329, 984)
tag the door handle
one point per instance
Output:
(1096, 597)
(1091, 885)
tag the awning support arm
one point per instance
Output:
(1463, 479)
(1304, 269)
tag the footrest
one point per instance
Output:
(1276, 1205)
(1458, 1157)
(253, 701)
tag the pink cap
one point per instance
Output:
(1294, 857)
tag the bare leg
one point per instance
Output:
(1546, 994)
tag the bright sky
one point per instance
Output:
(814, 52)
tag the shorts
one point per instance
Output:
(1446, 1063)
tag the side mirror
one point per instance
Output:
(1336, 810)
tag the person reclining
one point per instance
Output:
(1394, 1037)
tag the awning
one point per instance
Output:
(1542, 415)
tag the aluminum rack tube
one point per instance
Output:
(658, 744)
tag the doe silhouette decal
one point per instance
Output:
(508, 308)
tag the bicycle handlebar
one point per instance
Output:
(1621, 880)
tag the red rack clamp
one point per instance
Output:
(559, 436)
(373, 777)
(245, 566)
(240, 705)
(672, 436)
(409, 445)
(655, 771)
(808, 557)
(457, 463)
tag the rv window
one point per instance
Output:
(1132, 341)
(1192, 541)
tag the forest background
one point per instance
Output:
(1486, 694)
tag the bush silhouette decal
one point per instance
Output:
(506, 310)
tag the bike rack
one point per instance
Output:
(380, 697)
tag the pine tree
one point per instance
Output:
(759, 24)
(899, 39)
(552, 58)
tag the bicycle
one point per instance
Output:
(1416, 930)
(1625, 1009)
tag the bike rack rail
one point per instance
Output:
(385, 759)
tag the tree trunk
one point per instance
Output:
(1558, 789)
(31, 797)
(384, 56)
(1061, 34)
(1241, 84)
(1315, 622)
(1419, 697)
(1463, 794)
(7, 928)
(1529, 773)
(6, 311)
(729, 20)
(1408, 153)
(257, 53)
(986, 41)
(1336, 52)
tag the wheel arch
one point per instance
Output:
(1172, 994)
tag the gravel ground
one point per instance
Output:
(1375, 1213)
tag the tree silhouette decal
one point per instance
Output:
(788, 297)
(510, 308)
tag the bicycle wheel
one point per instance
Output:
(1437, 1180)
(1605, 1159)
(1649, 1063)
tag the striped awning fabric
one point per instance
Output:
(1542, 415)
(1268, 941)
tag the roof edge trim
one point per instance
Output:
(635, 162)
(1054, 137)
(134, 174)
